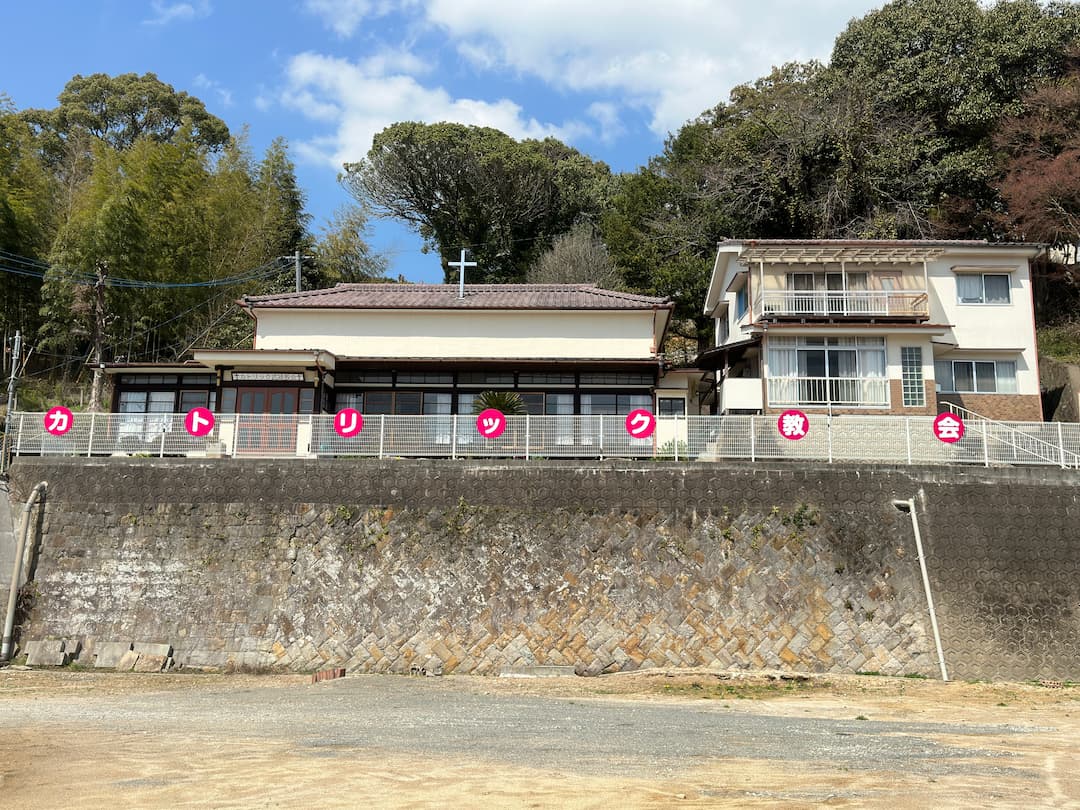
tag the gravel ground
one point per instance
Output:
(458, 741)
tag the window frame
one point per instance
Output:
(983, 302)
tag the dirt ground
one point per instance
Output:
(89, 739)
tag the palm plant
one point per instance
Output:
(509, 403)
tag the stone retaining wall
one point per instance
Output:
(473, 567)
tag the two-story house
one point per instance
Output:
(872, 327)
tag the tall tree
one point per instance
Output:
(578, 256)
(120, 110)
(475, 187)
(28, 212)
(343, 252)
(962, 66)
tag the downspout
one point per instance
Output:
(16, 572)
(909, 507)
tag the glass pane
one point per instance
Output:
(132, 402)
(963, 377)
(437, 403)
(599, 403)
(969, 289)
(943, 375)
(465, 403)
(856, 281)
(534, 403)
(997, 289)
(408, 403)
(307, 400)
(350, 399)
(161, 402)
(559, 404)
(670, 406)
(1006, 377)
(985, 378)
(228, 400)
(193, 399)
(378, 402)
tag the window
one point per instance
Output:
(845, 371)
(614, 404)
(545, 379)
(671, 406)
(983, 288)
(616, 378)
(145, 414)
(502, 378)
(741, 302)
(976, 376)
(912, 376)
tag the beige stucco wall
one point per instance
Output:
(979, 329)
(460, 334)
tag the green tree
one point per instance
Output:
(120, 110)
(343, 253)
(28, 205)
(961, 66)
(477, 188)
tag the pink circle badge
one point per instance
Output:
(348, 423)
(949, 428)
(640, 423)
(58, 420)
(793, 425)
(490, 423)
(199, 421)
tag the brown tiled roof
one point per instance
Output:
(445, 296)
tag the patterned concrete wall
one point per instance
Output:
(385, 566)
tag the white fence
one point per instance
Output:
(880, 439)
(824, 303)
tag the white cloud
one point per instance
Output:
(670, 60)
(223, 93)
(363, 98)
(606, 115)
(165, 13)
(343, 17)
(675, 58)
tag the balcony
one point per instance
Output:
(836, 392)
(907, 304)
(740, 394)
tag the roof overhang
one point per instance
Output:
(265, 358)
(189, 367)
(712, 359)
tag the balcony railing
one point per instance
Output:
(878, 439)
(846, 392)
(850, 303)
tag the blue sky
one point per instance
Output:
(610, 77)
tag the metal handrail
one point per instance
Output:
(973, 419)
(848, 437)
(883, 303)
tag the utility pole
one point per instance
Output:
(98, 383)
(14, 373)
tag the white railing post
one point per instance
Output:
(161, 449)
(907, 434)
(382, 433)
(675, 431)
(986, 447)
(18, 442)
(526, 436)
(90, 439)
(1061, 445)
(453, 437)
(828, 435)
(601, 435)
(752, 458)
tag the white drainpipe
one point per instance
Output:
(909, 507)
(16, 573)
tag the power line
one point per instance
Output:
(22, 266)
